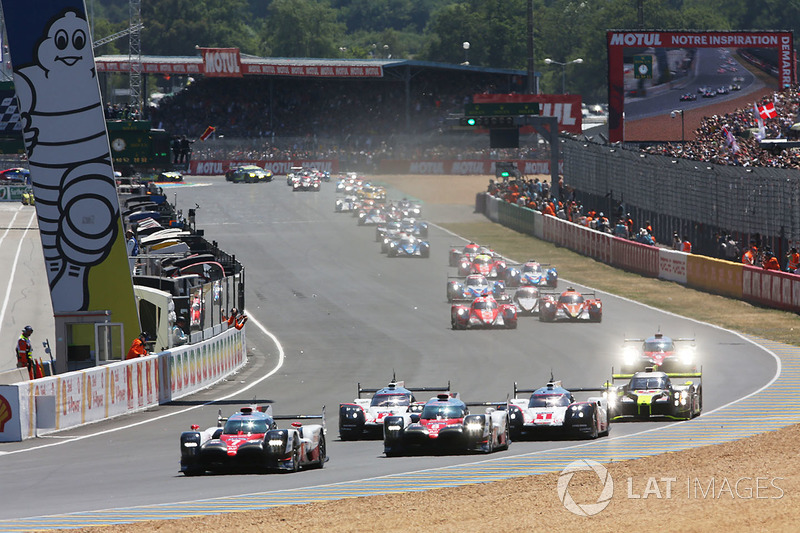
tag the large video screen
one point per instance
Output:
(656, 74)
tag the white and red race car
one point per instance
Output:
(483, 313)
(363, 418)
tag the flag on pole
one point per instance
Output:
(761, 131)
(730, 140)
(767, 111)
(206, 134)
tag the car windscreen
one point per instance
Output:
(246, 426)
(571, 298)
(485, 304)
(476, 282)
(483, 260)
(533, 268)
(660, 345)
(430, 412)
(549, 400)
(390, 400)
(646, 383)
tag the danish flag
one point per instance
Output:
(767, 111)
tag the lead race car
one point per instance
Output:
(570, 305)
(553, 411)
(652, 394)
(531, 273)
(363, 418)
(250, 441)
(661, 352)
(474, 286)
(483, 313)
(445, 425)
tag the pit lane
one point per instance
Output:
(343, 313)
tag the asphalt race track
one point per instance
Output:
(342, 313)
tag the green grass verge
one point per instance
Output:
(729, 313)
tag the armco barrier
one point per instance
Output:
(634, 256)
(672, 265)
(714, 275)
(103, 392)
(771, 288)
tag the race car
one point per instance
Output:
(250, 441)
(363, 418)
(659, 351)
(474, 286)
(307, 182)
(170, 176)
(688, 97)
(553, 411)
(526, 299)
(531, 273)
(345, 204)
(372, 192)
(372, 216)
(570, 305)
(484, 312)
(409, 246)
(248, 174)
(491, 266)
(409, 209)
(652, 394)
(391, 227)
(457, 254)
(445, 425)
(412, 226)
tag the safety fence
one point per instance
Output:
(770, 288)
(41, 406)
(694, 198)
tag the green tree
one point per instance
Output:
(303, 28)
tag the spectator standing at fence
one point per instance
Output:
(686, 245)
(179, 336)
(138, 347)
(749, 256)
(792, 260)
(770, 262)
(676, 242)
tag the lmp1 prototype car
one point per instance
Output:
(446, 426)
(552, 411)
(307, 182)
(473, 286)
(531, 273)
(467, 252)
(250, 441)
(488, 264)
(408, 246)
(652, 394)
(364, 417)
(570, 305)
(483, 313)
(659, 351)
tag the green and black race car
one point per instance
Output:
(652, 394)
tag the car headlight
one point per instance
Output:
(626, 399)
(190, 445)
(474, 426)
(394, 427)
(275, 442)
(630, 355)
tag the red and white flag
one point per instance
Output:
(767, 111)
(760, 121)
(206, 134)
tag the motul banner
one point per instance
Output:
(220, 167)
(222, 62)
(565, 107)
(618, 41)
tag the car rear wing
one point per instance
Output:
(362, 390)
(558, 384)
(678, 375)
(320, 416)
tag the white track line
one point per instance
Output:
(10, 283)
(252, 320)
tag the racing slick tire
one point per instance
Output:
(506, 437)
(594, 434)
(512, 325)
(348, 434)
(425, 253)
(323, 453)
(295, 459)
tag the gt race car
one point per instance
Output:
(659, 351)
(570, 305)
(474, 286)
(531, 273)
(250, 441)
(483, 313)
(652, 394)
(408, 246)
(363, 418)
(445, 425)
(248, 174)
(553, 411)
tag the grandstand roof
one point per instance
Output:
(281, 66)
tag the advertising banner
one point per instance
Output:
(714, 275)
(69, 158)
(565, 107)
(220, 167)
(10, 425)
(221, 62)
(672, 265)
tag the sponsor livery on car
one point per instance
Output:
(474, 286)
(467, 252)
(363, 418)
(570, 305)
(445, 425)
(531, 273)
(250, 441)
(408, 246)
(489, 265)
(553, 411)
